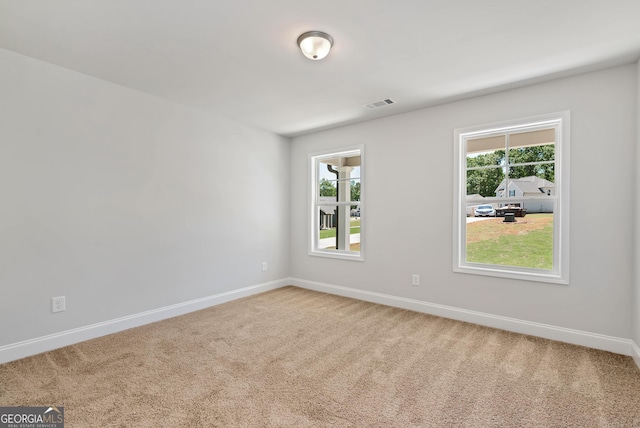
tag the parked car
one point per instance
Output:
(485, 211)
(355, 212)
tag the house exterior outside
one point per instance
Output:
(531, 186)
(328, 212)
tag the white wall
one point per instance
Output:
(409, 200)
(123, 202)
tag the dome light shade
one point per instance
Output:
(315, 45)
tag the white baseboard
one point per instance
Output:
(636, 353)
(576, 337)
(38, 345)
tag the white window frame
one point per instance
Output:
(314, 220)
(560, 272)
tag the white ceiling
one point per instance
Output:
(239, 58)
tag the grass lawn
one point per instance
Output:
(526, 243)
(330, 233)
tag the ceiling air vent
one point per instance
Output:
(381, 103)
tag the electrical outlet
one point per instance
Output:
(58, 304)
(264, 266)
(416, 279)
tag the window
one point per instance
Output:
(511, 209)
(336, 222)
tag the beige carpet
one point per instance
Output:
(298, 358)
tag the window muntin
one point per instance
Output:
(514, 167)
(336, 219)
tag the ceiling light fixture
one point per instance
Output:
(315, 45)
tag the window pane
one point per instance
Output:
(487, 151)
(486, 144)
(486, 159)
(520, 155)
(336, 224)
(354, 186)
(541, 137)
(524, 242)
(327, 185)
(530, 181)
(327, 216)
(352, 161)
(511, 216)
(487, 154)
(328, 221)
(330, 236)
(484, 182)
(327, 188)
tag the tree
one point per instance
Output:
(485, 181)
(355, 191)
(543, 153)
(327, 188)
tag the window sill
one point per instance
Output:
(516, 273)
(342, 255)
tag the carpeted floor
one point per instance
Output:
(298, 358)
